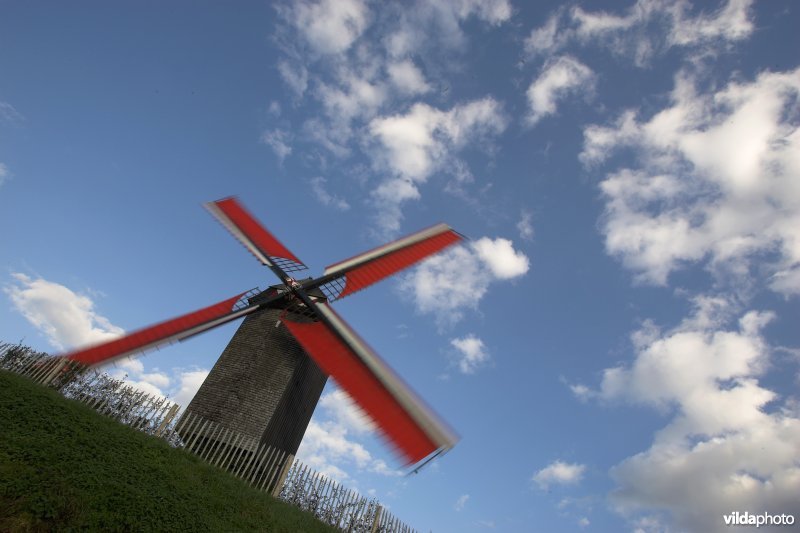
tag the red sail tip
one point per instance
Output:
(375, 265)
(400, 415)
(244, 226)
(159, 334)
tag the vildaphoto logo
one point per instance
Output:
(763, 519)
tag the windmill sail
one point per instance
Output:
(164, 332)
(351, 275)
(261, 243)
(400, 414)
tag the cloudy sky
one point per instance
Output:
(616, 344)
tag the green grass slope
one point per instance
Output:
(63, 467)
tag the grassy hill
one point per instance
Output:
(64, 467)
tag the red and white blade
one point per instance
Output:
(163, 333)
(410, 426)
(375, 265)
(261, 243)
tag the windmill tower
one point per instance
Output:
(269, 378)
(263, 385)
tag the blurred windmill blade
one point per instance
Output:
(351, 275)
(411, 427)
(261, 243)
(167, 332)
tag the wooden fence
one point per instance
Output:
(335, 505)
(150, 413)
(258, 465)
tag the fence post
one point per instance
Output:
(28, 364)
(222, 445)
(167, 419)
(284, 472)
(252, 462)
(232, 451)
(376, 522)
(248, 457)
(211, 440)
(198, 432)
(268, 464)
(58, 364)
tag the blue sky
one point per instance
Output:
(617, 345)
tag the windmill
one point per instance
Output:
(271, 374)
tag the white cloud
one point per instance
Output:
(131, 370)
(548, 37)
(454, 281)
(330, 26)
(559, 473)
(189, 382)
(472, 353)
(352, 96)
(146, 387)
(525, 226)
(599, 141)
(409, 141)
(401, 42)
(723, 448)
(428, 26)
(582, 392)
(345, 411)
(649, 524)
(691, 359)
(333, 137)
(126, 365)
(501, 258)
(493, 11)
(461, 502)
(407, 78)
(275, 108)
(328, 448)
(414, 145)
(295, 75)
(3, 173)
(278, 140)
(471, 121)
(325, 198)
(616, 31)
(330, 443)
(647, 28)
(158, 379)
(325, 444)
(715, 182)
(180, 385)
(9, 113)
(67, 319)
(559, 78)
(731, 23)
(583, 521)
(363, 87)
(389, 197)
(326, 469)
(415, 142)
